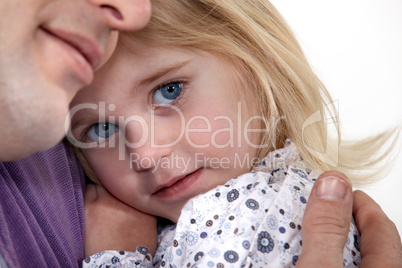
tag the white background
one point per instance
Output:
(355, 47)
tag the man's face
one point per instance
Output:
(48, 51)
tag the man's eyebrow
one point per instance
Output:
(163, 72)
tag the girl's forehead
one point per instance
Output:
(140, 53)
(138, 49)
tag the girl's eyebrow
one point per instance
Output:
(163, 72)
(83, 119)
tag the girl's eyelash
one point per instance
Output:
(84, 132)
(176, 102)
(179, 99)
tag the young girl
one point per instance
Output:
(211, 117)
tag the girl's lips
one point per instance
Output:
(179, 186)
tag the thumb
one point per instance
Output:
(326, 221)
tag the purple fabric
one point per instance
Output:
(42, 210)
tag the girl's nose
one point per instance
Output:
(145, 148)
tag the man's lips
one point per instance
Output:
(89, 49)
(172, 182)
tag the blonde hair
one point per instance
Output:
(254, 36)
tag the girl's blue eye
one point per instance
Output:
(101, 131)
(167, 94)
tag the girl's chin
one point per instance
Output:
(173, 216)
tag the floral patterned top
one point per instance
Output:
(251, 221)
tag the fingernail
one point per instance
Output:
(331, 188)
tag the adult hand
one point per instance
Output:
(112, 225)
(380, 243)
(326, 223)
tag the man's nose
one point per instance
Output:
(125, 15)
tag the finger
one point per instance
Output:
(380, 243)
(326, 221)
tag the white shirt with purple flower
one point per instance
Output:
(254, 220)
